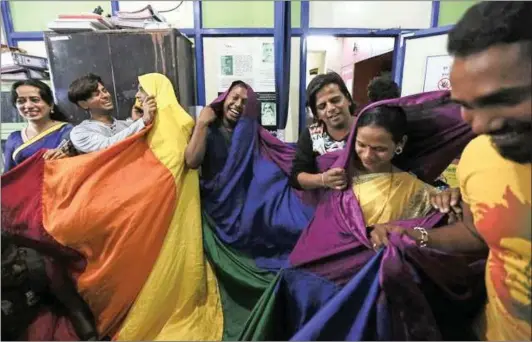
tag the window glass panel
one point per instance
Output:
(371, 14)
(35, 15)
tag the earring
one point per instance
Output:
(399, 150)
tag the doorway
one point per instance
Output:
(364, 71)
(357, 59)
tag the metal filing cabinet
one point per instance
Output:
(119, 57)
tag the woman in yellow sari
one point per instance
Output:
(386, 193)
(383, 192)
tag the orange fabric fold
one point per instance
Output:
(108, 206)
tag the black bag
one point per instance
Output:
(24, 288)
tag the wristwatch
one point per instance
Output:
(423, 240)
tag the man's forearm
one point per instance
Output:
(309, 181)
(455, 238)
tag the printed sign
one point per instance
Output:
(437, 72)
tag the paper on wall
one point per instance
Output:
(251, 62)
(437, 71)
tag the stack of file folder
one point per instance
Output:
(69, 23)
(21, 66)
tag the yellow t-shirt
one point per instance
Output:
(498, 191)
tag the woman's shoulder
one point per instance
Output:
(213, 128)
(14, 136)
(14, 140)
(66, 126)
(65, 129)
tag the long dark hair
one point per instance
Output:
(321, 81)
(46, 94)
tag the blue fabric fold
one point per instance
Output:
(249, 199)
(352, 314)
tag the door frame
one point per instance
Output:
(402, 39)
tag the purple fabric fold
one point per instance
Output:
(436, 136)
(335, 245)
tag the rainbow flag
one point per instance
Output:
(154, 264)
(129, 219)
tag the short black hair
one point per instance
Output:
(391, 118)
(489, 23)
(382, 88)
(46, 95)
(82, 88)
(320, 81)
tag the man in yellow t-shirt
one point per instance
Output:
(491, 78)
(498, 192)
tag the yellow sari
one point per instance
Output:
(386, 197)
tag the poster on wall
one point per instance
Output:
(252, 63)
(437, 72)
(268, 109)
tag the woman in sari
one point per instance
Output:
(385, 193)
(47, 125)
(333, 108)
(340, 287)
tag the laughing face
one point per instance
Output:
(141, 95)
(332, 106)
(30, 104)
(235, 103)
(494, 89)
(100, 101)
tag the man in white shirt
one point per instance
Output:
(102, 130)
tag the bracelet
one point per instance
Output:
(322, 180)
(424, 239)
